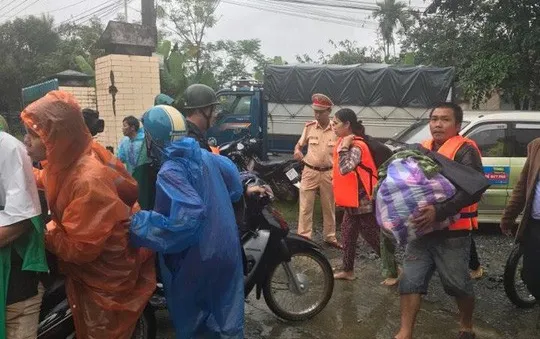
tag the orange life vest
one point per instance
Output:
(214, 149)
(346, 186)
(469, 214)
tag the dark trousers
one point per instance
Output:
(474, 262)
(354, 226)
(531, 258)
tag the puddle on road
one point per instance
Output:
(365, 309)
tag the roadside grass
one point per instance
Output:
(290, 211)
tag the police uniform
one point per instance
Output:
(317, 174)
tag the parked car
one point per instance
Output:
(502, 138)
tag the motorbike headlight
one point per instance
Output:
(240, 147)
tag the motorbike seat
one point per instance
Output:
(268, 166)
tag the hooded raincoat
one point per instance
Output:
(193, 228)
(108, 283)
(133, 153)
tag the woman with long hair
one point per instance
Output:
(355, 176)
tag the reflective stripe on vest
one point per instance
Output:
(346, 186)
(468, 215)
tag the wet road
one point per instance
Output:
(365, 309)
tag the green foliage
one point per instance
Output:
(29, 51)
(391, 15)
(173, 74)
(31, 48)
(191, 20)
(493, 44)
(83, 65)
(346, 53)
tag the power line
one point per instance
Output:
(22, 10)
(66, 7)
(12, 8)
(352, 22)
(94, 10)
(106, 14)
(307, 9)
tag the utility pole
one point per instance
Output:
(148, 13)
(126, 9)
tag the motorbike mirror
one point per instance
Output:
(212, 142)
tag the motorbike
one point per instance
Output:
(514, 286)
(56, 320)
(283, 175)
(290, 271)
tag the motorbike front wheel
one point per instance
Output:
(315, 285)
(514, 286)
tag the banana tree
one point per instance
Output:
(173, 75)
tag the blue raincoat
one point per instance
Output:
(133, 152)
(193, 228)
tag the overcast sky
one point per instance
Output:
(280, 34)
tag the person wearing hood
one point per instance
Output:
(132, 152)
(193, 229)
(108, 283)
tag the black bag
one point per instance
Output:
(463, 177)
(379, 151)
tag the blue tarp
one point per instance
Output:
(193, 228)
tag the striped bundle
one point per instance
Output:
(403, 191)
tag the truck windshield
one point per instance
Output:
(418, 132)
(234, 104)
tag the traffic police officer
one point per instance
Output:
(317, 173)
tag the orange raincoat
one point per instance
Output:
(108, 283)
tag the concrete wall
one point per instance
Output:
(492, 104)
(85, 95)
(137, 81)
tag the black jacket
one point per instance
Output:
(194, 132)
(467, 155)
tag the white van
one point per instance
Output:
(502, 138)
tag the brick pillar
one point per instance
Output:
(137, 80)
(86, 96)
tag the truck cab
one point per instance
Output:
(241, 111)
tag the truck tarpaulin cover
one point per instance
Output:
(359, 85)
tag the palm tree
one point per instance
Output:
(391, 14)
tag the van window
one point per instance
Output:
(419, 132)
(492, 139)
(525, 133)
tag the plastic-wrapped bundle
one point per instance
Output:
(403, 192)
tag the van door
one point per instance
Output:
(493, 140)
(522, 134)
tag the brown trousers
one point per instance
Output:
(22, 318)
(312, 181)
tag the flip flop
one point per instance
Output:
(334, 244)
(394, 282)
(338, 276)
(477, 274)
